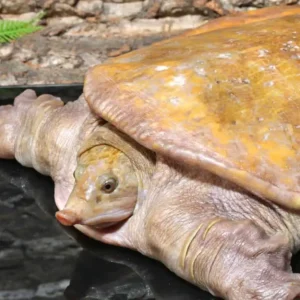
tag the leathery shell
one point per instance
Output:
(227, 100)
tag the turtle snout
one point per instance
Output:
(67, 217)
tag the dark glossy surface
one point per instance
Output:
(44, 258)
(39, 259)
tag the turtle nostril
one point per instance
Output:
(66, 217)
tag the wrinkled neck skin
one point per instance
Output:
(50, 132)
(48, 135)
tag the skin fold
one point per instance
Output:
(204, 228)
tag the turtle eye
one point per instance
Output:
(109, 185)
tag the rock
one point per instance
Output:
(10, 258)
(260, 3)
(176, 8)
(119, 1)
(48, 3)
(16, 6)
(150, 8)
(69, 21)
(215, 6)
(89, 59)
(82, 33)
(187, 22)
(241, 3)
(121, 10)
(131, 8)
(89, 7)
(8, 79)
(23, 17)
(6, 51)
(64, 61)
(24, 55)
(73, 63)
(55, 30)
(59, 7)
(88, 30)
(167, 25)
(62, 9)
(69, 2)
(124, 49)
(52, 61)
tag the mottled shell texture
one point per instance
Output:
(227, 100)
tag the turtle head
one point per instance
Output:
(105, 191)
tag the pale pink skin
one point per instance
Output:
(204, 228)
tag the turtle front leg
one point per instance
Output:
(43, 133)
(238, 260)
(233, 260)
(199, 227)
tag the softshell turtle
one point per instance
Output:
(186, 150)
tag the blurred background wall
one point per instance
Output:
(81, 33)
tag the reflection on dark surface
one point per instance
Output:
(38, 260)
